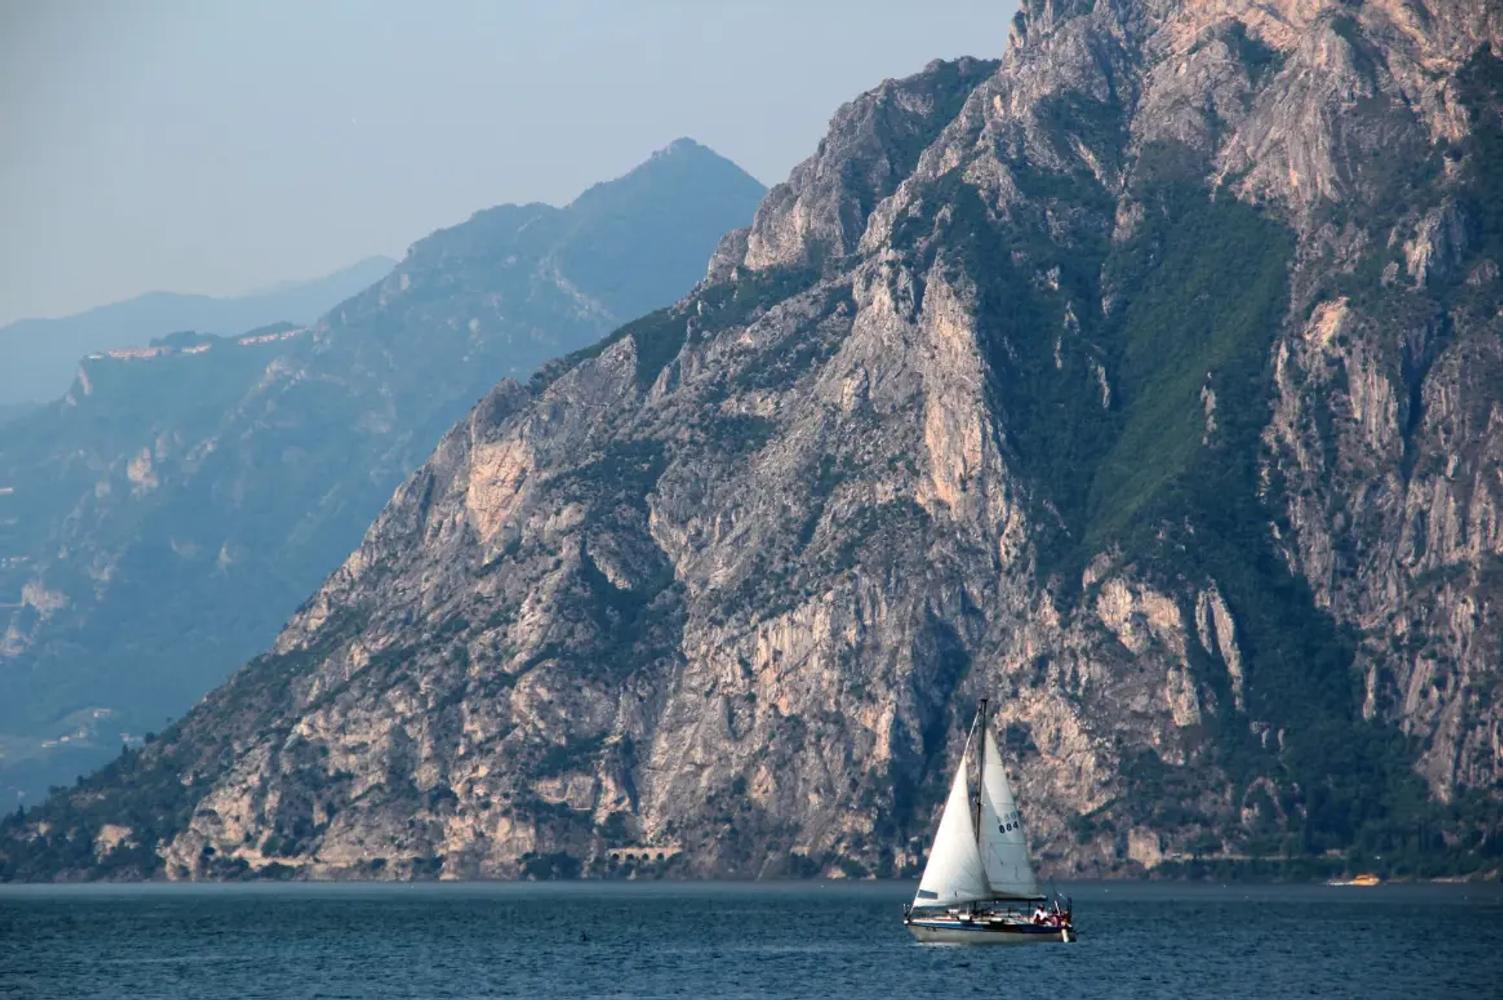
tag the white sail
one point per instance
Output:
(1004, 845)
(954, 873)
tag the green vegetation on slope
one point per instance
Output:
(1198, 296)
(1205, 291)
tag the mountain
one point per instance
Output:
(42, 354)
(162, 521)
(1147, 383)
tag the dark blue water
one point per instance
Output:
(733, 940)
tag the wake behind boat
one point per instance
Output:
(978, 885)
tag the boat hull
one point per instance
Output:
(978, 932)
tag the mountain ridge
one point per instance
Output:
(43, 352)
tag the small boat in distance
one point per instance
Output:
(1365, 878)
(978, 885)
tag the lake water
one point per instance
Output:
(732, 940)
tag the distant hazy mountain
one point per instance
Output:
(38, 356)
(159, 523)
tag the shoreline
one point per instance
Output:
(1105, 883)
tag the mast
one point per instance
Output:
(981, 770)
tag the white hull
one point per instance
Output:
(968, 932)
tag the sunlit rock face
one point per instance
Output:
(1145, 383)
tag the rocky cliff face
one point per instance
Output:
(162, 522)
(1145, 383)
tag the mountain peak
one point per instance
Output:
(685, 157)
(683, 145)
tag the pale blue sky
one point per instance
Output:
(217, 147)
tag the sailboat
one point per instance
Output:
(978, 886)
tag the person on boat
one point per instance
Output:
(1040, 915)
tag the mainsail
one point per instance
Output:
(1004, 847)
(954, 873)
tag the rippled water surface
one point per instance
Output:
(734, 940)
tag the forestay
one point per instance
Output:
(955, 873)
(1004, 846)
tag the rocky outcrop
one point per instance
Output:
(1143, 399)
(873, 144)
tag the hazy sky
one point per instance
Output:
(218, 147)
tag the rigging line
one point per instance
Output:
(970, 733)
